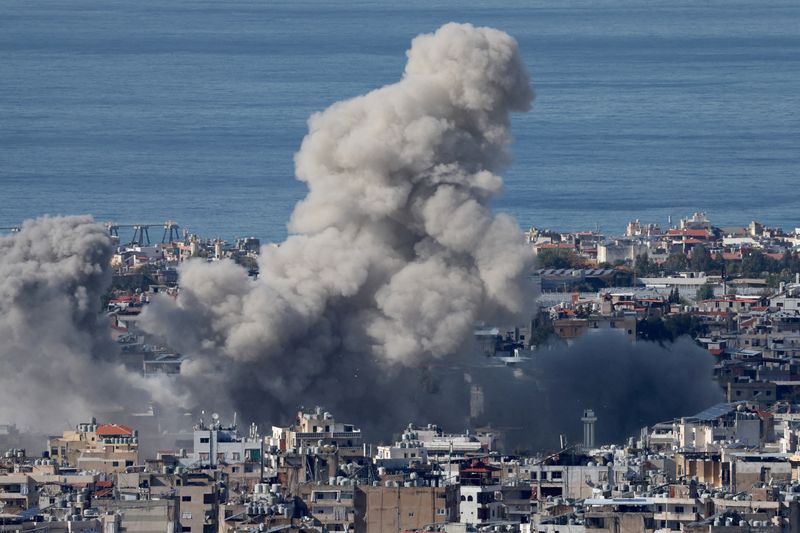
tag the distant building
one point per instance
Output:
(104, 448)
(382, 509)
(216, 444)
(316, 428)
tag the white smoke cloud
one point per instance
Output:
(394, 254)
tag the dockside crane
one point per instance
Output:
(141, 232)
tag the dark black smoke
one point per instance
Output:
(627, 385)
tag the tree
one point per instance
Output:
(643, 266)
(674, 296)
(754, 263)
(560, 259)
(670, 328)
(705, 292)
(676, 262)
(700, 260)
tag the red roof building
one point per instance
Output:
(114, 430)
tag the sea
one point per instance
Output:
(142, 111)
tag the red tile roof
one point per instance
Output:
(114, 430)
(700, 233)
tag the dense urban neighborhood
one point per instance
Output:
(735, 464)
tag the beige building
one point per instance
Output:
(106, 448)
(199, 502)
(571, 328)
(332, 505)
(382, 508)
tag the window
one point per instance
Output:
(534, 476)
(555, 474)
(203, 440)
(186, 528)
(679, 508)
(186, 516)
(186, 498)
(236, 456)
(115, 463)
(469, 498)
(208, 498)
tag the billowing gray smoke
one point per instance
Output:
(393, 256)
(368, 307)
(628, 386)
(55, 349)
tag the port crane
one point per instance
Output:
(141, 232)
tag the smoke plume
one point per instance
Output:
(628, 386)
(368, 306)
(56, 355)
(393, 256)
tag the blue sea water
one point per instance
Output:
(140, 111)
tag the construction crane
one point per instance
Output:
(141, 232)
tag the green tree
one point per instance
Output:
(754, 263)
(676, 262)
(560, 259)
(705, 292)
(674, 296)
(700, 260)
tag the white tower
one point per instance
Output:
(588, 420)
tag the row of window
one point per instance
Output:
(554, 474)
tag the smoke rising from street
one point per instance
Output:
(368, 307)
(393, 256)
(628, 386)
(56, 351)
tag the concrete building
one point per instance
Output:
(216, 444)
(332, 505)
(399, 508)
(316, 428)
(106, 448)
(199, 499)
(620, 250)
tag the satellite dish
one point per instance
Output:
(215, 417)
